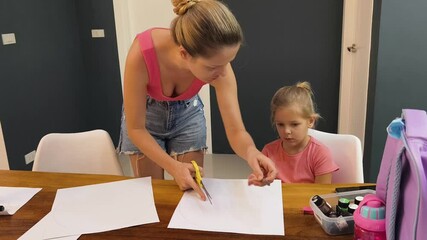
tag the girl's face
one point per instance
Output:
(214, 67)
(292, 127)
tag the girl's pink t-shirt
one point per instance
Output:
(154, 88)
(303, 167)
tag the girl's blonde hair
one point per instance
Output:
(299, 94)
(203, 26)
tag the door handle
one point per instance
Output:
(352, 48)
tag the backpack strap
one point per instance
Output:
(415, 122)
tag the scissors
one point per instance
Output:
(199, 180)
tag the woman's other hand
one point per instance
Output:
(263, 169)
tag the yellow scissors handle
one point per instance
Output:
(198, 175)
(199, 179)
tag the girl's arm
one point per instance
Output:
(325, 178)
(323, 164)
(264, 170)
(135, 93)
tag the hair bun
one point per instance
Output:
(304, 85)
(182, 6)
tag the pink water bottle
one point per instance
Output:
(369, 219)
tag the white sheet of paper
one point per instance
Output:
(236, 208)
(13, 198)
(37, 232)
(74, 237)
(97, 208)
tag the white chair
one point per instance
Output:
(4, 163)
(346, 152)
(84, 152)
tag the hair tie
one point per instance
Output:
(182, 7)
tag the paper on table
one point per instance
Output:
(236, 208)
(97, 208)
(74, 237)
(13, 198)
(37, 232)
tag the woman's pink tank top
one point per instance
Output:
(154, 88)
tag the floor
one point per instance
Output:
(224, 166)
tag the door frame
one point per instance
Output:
(357, 28)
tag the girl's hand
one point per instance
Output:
(183, 175)
(264, 169)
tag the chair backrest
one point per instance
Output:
(346, 152)
(4, 162)
(84, 152)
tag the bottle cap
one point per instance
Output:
(343, 202)
(375, 213)
(352, 207)
(358, 199)
(317, 200)
(370, 215)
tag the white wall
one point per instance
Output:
(135, 16)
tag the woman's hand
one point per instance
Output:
(264, 169)
(183, 175)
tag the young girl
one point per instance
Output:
(163, 125)
(299, 158)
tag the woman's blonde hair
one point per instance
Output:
(299, 94)
(203, 26)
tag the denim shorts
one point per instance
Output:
(177, 126)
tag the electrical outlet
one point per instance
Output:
(98, 33)
(29, 157)
(8, 38)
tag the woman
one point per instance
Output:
(164, 127)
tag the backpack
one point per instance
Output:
(401, 181)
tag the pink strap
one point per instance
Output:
(154, 88)
(149, 53)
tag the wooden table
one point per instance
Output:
(166, 196)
